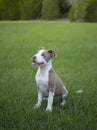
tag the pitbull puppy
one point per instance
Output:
(48, 82)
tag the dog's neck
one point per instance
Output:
(46, 68)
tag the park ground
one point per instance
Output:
(76, 47)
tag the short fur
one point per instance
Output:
(56, 85)
(47, 80)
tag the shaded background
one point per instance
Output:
(74, 10)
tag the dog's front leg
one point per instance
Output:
(39, 99)
(50, 101)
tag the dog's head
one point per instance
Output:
(42, 57)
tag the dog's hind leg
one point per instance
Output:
(63, 102)
(63, 97)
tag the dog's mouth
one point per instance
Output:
(35, 63)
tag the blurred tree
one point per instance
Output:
(0, 8)
(9, 9)
(64, 7)
(30, 9)
(50, 9)
(78, 10)
(91, 11)
(20, 9)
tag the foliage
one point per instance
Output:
(91, 11)
(78, 10)
(9, 9)
(64, 8)
(20, 9)
(50, 9)
(30, 9)
(75, 10)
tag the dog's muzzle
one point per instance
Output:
(35, 62)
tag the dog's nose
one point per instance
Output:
(34, 57)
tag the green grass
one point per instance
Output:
(76, 64)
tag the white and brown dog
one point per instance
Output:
(48, 82)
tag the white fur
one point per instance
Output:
(50, 101)
(39, 58)
(39, 99)
(42, 79)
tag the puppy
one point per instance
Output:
(48, 82)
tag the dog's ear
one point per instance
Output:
(52, 53)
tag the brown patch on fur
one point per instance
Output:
(56, 85)
(46, 55)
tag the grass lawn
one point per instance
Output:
(76, 64)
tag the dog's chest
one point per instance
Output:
(42, 80)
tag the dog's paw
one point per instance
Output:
(63, 103)
(36, 106)
(48, 110)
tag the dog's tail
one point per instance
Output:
(77, 92)
(59, 97)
